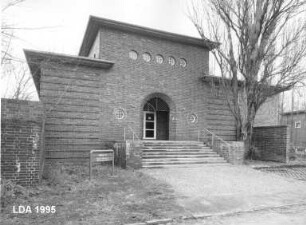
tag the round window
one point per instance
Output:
(119, 113)
(192, 118)
(146, 57)
(183, 62)
(171, 61)
(159, 59)
(133, 55)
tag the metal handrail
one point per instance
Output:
(213, 136)
(133, 133)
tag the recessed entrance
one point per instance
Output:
(156, 119)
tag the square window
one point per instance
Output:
(298, 124)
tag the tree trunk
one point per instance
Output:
(249, 132)
(239, 136)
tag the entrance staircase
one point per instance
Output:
(178, 153)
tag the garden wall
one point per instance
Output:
(21, 126)
(271, 143)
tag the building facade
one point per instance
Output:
(296, 121)
(127, 81)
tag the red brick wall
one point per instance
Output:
(297, 134)
(20, 140)
(272, 143)
(131, 81)
(83, 99)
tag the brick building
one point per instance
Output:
(296, 120)
(127, 80)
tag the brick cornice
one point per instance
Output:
(95, 23)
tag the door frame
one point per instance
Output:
(144, 125)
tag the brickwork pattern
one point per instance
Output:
(20, 141)
(271, 143)
(298, 173)
(233, 152)
(84, 99)
(297, 134)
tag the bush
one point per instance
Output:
(59, 174)
(10, 191)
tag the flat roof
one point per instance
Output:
(95, 23)
(36, 58)
(295, 112)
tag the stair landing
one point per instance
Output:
(157, 154)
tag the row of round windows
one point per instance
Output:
(120, 114)
(158, 58)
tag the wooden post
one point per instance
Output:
(90, 165)
(124, 133)
(113, 164)
(198, 135)
(212, 141)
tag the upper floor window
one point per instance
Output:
(159, 59)
(183, 62)
(133, 55)
(298, 124)
(146, 57)
(171, 60)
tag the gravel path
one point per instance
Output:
(298, 173)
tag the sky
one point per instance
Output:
(59, 25)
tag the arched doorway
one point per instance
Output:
(156, 119)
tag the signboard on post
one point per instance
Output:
(98, 156)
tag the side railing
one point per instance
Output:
(123, 148)
(129, 130)
(215, 142)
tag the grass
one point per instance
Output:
(129, 196)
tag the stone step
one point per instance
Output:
(184, 165)
(170, 142)
(146, 165)
(175, 147)
(179, 156)
(170, 160)
(175, 153)
(177, 150)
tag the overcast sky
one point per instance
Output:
(59, 25)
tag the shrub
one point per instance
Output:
(10, 191)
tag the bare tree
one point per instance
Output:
(261, 52)
(16, 79)
(7, 33)
(23, 85)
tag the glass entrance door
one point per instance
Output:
(149, 131)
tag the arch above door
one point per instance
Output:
(156, 117)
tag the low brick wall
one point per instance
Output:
(233, 152)
(21, 124)
(271, 143)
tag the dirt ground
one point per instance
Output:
(125, 198)
(137, 196)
